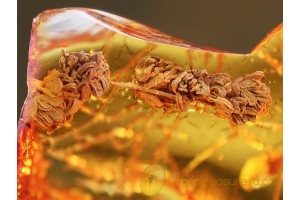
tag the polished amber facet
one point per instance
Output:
(119, 110)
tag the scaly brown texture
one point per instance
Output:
(242, 100)
(158, 82)
(59, 95)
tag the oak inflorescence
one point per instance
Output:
(156, 81)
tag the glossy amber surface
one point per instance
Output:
(116, 144)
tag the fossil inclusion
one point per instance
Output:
(119, 110)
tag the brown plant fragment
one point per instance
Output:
(47, 106)
(89, 71)
(251, 98)
(60, 94)
(86, 92)
(242, 100)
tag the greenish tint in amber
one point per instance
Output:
(102, 152)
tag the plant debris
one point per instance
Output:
(60, 94)
(242, 100)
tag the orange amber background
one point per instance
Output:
(103, 151)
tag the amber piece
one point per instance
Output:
(95, 126)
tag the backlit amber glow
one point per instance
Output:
(103, 120)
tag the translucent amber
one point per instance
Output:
(117, 144)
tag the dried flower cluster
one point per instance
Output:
(89, 72)
(62, 91)
(241, 101)
(158, 82)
